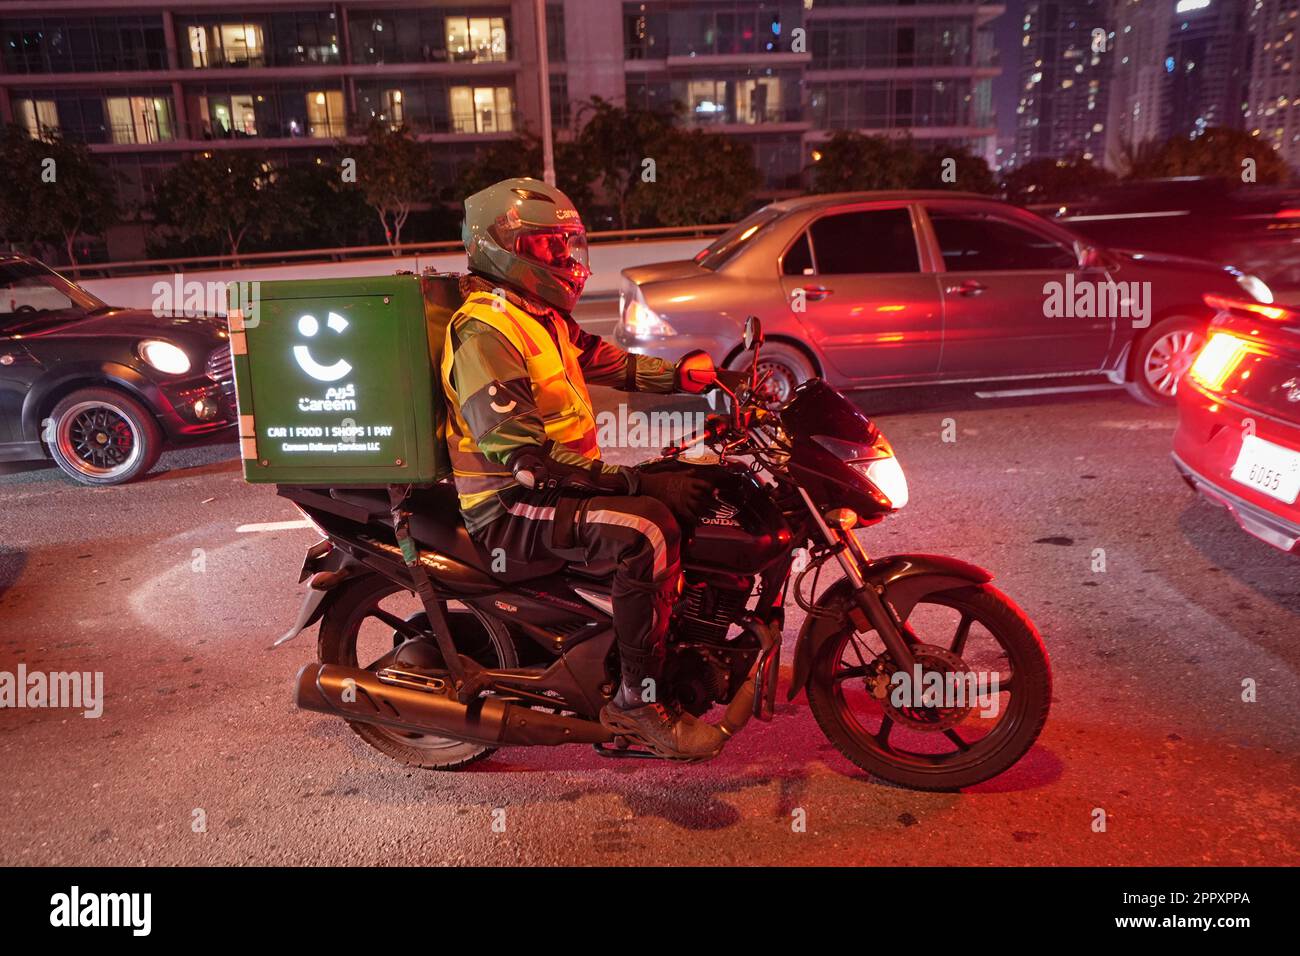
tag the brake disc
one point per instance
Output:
(937, 664)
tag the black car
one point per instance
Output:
(99, 389)
(1250, 226)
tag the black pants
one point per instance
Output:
(640, 534)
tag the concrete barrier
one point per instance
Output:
(607, 260)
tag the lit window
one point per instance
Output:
(225, 43)
(395, 110)
(38, 117)
(139, 119)
(482, 109)
(477, 39)
(325, 114)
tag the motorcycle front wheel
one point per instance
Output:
(371, 617)
(979, 724)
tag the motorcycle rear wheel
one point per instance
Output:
(952, 758)
(361, 606)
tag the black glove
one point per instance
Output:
(687, 495)
(733, 379)
(535, 469)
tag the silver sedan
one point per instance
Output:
(901, 288)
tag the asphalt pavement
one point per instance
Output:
(175, 587)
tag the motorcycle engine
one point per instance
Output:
(702, 666)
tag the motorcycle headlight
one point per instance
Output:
(887, 475)
(1256, 288)
(876, 463)
(165, 357)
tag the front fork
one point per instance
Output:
(867, 597)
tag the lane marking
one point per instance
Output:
(1048, 390)
(273, 526)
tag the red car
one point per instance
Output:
(1238, 438)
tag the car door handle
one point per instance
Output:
(967, 288)
(815, 293)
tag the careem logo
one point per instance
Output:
(309, 327)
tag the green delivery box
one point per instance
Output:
(337, 379)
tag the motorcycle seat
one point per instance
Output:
(436, 524)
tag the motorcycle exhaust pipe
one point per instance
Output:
(417, 705)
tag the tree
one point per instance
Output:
(615, 142)
(851, 161)
(699, 178)
(395, 173)
(954, 167)
(330, 211)
(57, 191)
(221, 199)
(1218, 151)
(522, 156)
(1055, 181)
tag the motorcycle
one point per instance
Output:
(915, 666)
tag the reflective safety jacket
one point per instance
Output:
(515, 374)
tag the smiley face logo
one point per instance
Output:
(500, 409)
(308, 327)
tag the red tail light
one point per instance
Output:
(1274, 313)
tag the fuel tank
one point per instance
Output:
(744, 532)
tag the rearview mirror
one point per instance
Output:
(753, 337)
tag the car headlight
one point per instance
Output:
(165, 357)
(1256, 288)
(643, 323)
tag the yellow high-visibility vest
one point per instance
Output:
(559, 390)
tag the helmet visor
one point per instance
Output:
(561, 249)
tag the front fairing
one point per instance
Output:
(817, 409)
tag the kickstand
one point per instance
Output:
(466, 675)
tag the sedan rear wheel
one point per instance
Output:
(100, 436)
(1161, 358)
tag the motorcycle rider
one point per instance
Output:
(522, 438)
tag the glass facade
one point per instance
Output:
(780, 73)
(242, 39)
(655, 30)
(885, 104)
(68, 44)
(862, 44)
(427, 35)
(681, 56)
(128, 115)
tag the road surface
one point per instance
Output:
(175, 587)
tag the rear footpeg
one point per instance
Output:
(624, 747)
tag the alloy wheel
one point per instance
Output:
(98, 439)
(1169, 357)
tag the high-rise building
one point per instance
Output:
(145, 82)
(1273, 108)
(1178, 67)
(1140, 36)
(1207, 66)
(1064, 65)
